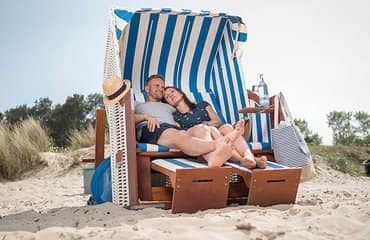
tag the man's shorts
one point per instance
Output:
(152, 137)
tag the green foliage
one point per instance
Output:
(17, 114)
(347, 159)
(309, 137)
(349, 128)
(20, 146)
(77, 113)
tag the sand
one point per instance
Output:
(48, 203)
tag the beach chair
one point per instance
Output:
(197, 52)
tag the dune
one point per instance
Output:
(49, 203)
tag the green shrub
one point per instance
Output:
(347, 159)
(20, 146)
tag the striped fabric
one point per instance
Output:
(193, 51)
(147, 147)
(270, 166)
(260, 137)
(177, 163)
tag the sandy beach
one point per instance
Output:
(49, 204)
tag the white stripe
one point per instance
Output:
(152, 148)
(256, 145)
(234, 165)
(166, 164)
(139, 51)
(207, 52)
(123, 47)
(264, 127)
(158, 42)
(174, 49)
(189, 55)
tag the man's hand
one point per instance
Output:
(152, 123)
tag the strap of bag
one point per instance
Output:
(285, 109)
(280, 101)
(276, 111)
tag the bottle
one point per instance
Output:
(263, 93)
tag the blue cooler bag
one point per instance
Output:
(101, 183)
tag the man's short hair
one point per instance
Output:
(152, 77)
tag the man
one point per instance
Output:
(155, 125)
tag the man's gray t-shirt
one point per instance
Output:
(161, 111)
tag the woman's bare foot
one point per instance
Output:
(261, 161)
(237, 132)
(248, 159)
(221, 154)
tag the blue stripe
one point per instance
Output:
(131, 46)
(229, 79)
(268, 125)
(211, 60)
(198, 53)
(182, 49)
(228, 71)
(242, 37)
(148, 47)
(162, 148)
(178, 163)
(217, 107)
(165, 51)
(123, 14)
(223, 104)
(259, 127)
(118, 33)
(166, 10)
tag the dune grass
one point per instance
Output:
(347, 159)
(20, 146)
(81, 138)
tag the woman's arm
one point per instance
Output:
(215, 121)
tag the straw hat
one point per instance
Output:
(115, 89)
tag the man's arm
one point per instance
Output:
(152, 121)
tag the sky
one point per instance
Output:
(316, 52)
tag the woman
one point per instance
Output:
(189, 114)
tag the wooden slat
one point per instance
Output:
(99, 136)
(131, 149)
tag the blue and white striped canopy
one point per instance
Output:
(196, 52)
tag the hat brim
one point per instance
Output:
(108, 101)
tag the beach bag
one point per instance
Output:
(290, 148)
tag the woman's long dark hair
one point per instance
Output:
(187, 101)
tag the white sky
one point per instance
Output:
(316, 52)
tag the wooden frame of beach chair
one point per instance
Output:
(276, 184)
(195, 189)
(194, 51)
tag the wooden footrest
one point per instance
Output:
(195, 186)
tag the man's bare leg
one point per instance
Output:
(191, 146)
